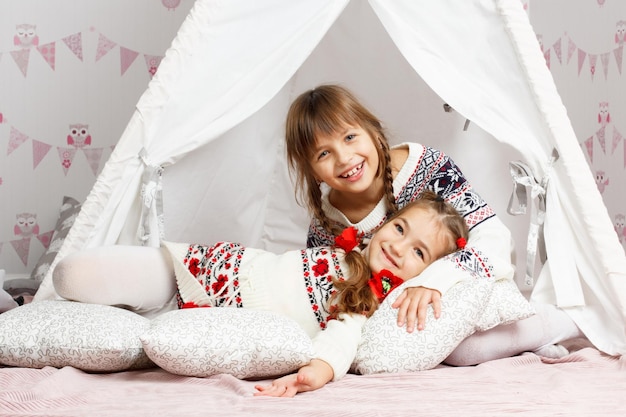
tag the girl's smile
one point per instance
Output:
(347, 161)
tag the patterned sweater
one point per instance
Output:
(296, 283)
(488, 253)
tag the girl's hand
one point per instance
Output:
(413, 303)
(309, 378)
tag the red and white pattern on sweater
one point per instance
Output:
(216, 268)
(319, 267)
(473, 262)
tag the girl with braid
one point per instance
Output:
(347, 175)
(330, 291)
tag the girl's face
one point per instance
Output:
(346, 161)
(406, 245)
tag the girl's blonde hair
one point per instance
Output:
(354, 294)
(323, 111)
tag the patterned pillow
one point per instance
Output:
(67, 214)
(62, 333)
(244, 343)
(386, 347)
(506, 304)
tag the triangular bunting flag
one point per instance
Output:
(152, 63)
(75, 43)
(571, 47)
(557, 50)
(22, 247)
(581, 59)
(21, 59)
(16, 139)
(617, 53)
(592, 64)
(617, 138)
(93, 157)
(40, 150)
(104, 46)
(546, 55)
(45, 238)
(601, 135)
(127, 57)
(66, 155)
(48, 52)
(589, 147)
(605, 64)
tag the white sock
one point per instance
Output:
(549, 326)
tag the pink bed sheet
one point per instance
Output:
(584, 383)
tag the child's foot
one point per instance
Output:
(552, 351)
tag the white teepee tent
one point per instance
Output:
(202, 158)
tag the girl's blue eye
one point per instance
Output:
(350, 137)
(399, 229)
(322, 154)
(419, 253)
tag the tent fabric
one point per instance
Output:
(208, 130)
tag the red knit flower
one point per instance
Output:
(348, 239)
(321, 267)
(461, 242)
(383, 283)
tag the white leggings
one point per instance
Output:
(549, 326)
(139, 278)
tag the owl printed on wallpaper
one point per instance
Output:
(604, 117)
(601, 180)
(170, 4)
(79, 135)
(25, 35)
(620, 227)
(26, 225)
(620, 32)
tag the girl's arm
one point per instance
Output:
(335, 350)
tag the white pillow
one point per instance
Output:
(386, 347)
(244, 343)
(506, 304)
(60, 333)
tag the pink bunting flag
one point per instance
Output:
(617, 53)
(45, 238)
(557, 50)
(581, 59)
(592, 64)
(104, 46)
(75, 43)
(601, 135)
(48, 52)
(546, 55)
(66, 155)
(571, 47)
(22, 248)
(605, 64)
(127, 57)
(152, 63)
(589, 147)
(16, 139)
(93, 157)
(40, 150)
(21, 58)
(617, 138)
